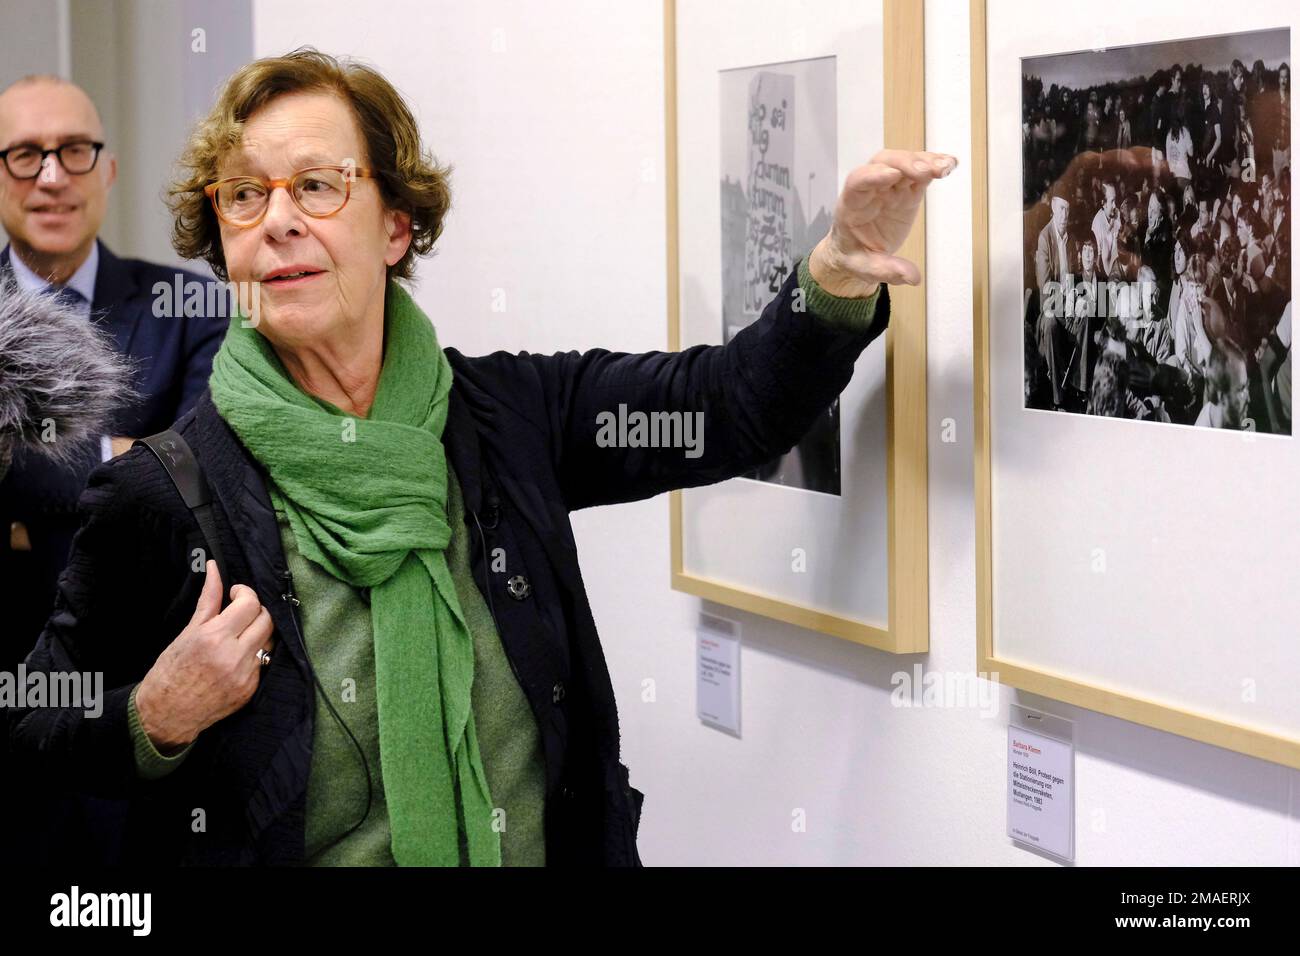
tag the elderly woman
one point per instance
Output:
(407, 670)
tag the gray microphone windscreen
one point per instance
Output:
(61, 377)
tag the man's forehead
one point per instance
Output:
(45, 110)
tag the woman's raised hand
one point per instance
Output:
(873, 215)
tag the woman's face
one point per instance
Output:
(1180, 259)
(349, 251)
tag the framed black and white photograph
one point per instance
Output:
(777, 142)
(1157, 231)
(764, 121)
(1132, 235)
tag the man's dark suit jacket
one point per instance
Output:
(173, 358)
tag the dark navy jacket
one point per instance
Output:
(173, 358)
(521, 435)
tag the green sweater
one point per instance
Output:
(336, 627)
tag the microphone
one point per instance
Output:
(61, 377)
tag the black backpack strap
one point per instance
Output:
(178, 459)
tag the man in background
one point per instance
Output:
(54, 181)
(55, 174)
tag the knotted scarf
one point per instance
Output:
(366, 500)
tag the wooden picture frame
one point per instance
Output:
(906, 495)
(1151, 710)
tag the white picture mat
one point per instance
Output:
(1199, 601)
(744, 532)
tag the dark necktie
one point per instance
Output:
(66, 295)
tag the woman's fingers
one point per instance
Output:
(241, 611)
(209, 603)
(873, 176)
(917, 165)
(945, 163)
(258, 631)
(892, 170)
(934, 165)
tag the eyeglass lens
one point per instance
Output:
(318, 192)
(76, 158)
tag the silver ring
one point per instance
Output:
(263, 657)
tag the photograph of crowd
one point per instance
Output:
(1157, 232)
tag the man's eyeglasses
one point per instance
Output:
(319, 191)
(25, 161)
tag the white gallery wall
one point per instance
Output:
(552, 115)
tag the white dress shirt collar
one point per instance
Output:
(83, 280)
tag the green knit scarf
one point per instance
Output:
(367, 501)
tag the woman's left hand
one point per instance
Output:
(873, 216)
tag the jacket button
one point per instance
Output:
(557, 692)
(518, 587)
